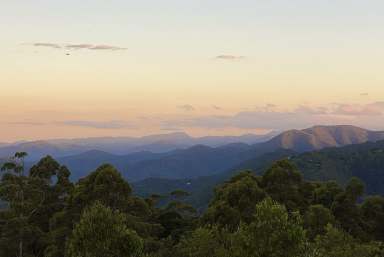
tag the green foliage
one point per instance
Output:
(274, 215)
(373, 215)
(33, 201)
(365, 161)
(235, 201)
(325, 193)
(45, 168)
(23, 195)
(102, 232)
(105, 185)
(181, 208)
(346, 211)
(179, 193)
(203, 242)
(355, 189)
(337, 243)
(283, 182)
(273, 233)
(316, 220)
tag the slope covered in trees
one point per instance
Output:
(277, 214)
(365, 161)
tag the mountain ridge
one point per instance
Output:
(319, 137)
(202, 160)
(122, 145)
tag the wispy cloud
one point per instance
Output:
(246, 120)
(93, 47)
(274, 117)
(311, 109)
(186, 107)
(267, 117)
(173, 129)
(80, 46)
(114, 124)
(229, 57)
(372, 109)
(50, 45)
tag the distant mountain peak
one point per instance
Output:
(322, 136)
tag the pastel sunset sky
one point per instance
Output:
(206, 67)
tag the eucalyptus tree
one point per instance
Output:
(13, 188)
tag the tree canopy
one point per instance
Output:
(278, 214)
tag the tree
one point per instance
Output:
(346, 211)
(355, 189)
(176, 204)
(33, 200)
(105, 185)
(13, 190)
(316, 220)
(283, 183)
(325, 193)
(249, 216)
(103, 232)
(60, 223)
(45, 169)
(235, 201)
(204, 242)
(179, 194)
(273, 233)
(43, 175)
(373, 215)
(338, 243)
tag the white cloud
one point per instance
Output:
(79, 46)
(229, 57)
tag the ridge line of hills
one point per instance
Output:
(202, 160)
(123, 145)
(321, 153)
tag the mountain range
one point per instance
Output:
(172, 157)
(122, 145)
(202, 160)
(321, 153)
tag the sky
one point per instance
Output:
(206, 67)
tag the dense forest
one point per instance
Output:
(364, 161)
(276, 214)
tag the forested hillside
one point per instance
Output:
(201, 189)
(365, 161)
(277, 214)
